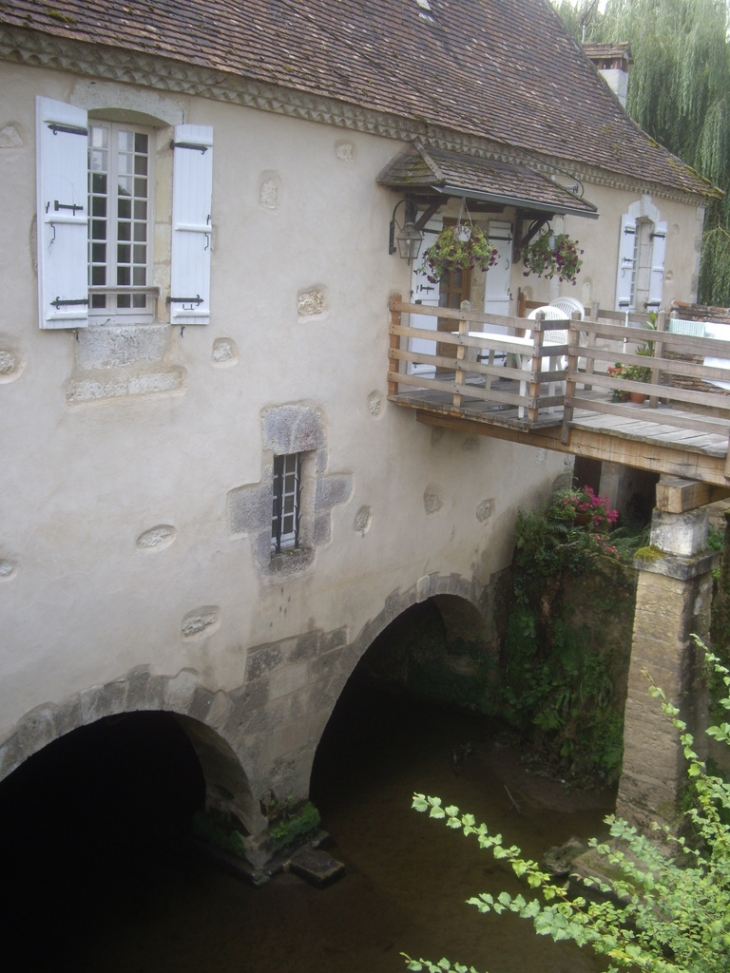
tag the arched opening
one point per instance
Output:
(436, 658)
(414, 716)
(90, 825)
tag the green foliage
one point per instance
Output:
(220, 830)
(664, 910)
(458, 248)
(679, 92)
(294, 821)
(550, 255)
(562, 699)
(558, 689)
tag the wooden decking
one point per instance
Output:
(569, 407)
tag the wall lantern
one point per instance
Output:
(409, 239)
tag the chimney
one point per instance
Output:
(613, 62)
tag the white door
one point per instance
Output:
(496, 288)
(424, 292)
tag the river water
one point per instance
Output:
(131, 906)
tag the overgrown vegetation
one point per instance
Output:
(665, 910)
(679, 92)
(561, 676)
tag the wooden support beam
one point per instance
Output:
(676, 496)
(639, 454)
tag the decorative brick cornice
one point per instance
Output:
(35, 49)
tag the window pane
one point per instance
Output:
(140, 165)
(140, 253)
(98, 229)
(140, 188)
(123, 276)
(98, 253)
(98, 278)
(125, 165)
(98, 183)
(139, 300)
(124, 185)
(98, 206)
(124, 231)
(140, 276)
(99, 137)
(98, 161)
(124, 253)
(98, 300)
(126, 141)
(124, 209)
(123, 300)
(140, 142)
(140, 232)
(140, 209)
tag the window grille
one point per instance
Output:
(285, 518)
(119, 207)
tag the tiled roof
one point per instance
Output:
(502, 69)
(418, 168)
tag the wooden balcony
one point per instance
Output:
(490, 377)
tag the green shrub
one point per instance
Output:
(663, 911)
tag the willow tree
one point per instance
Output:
(679, 92)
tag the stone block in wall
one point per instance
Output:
(293, 429)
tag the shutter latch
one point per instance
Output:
(72, 206)
(198, 146)
(185, 300)
(58, 303)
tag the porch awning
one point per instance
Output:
(435, 171)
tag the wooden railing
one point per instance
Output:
(463, 365)
(703, 410)
(471, 346)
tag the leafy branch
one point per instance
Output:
(668, 911)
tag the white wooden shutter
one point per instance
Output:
(656, 281)
(423, 291)
(626, 264)
(192, 194)
(61, 177)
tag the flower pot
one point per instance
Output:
(638, 397)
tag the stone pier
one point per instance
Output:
(673, 602)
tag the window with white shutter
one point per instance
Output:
(656, 280)
(61, 141)
(96, 189)
(626, 272)
(191, 225)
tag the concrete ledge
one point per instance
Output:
(680, 568)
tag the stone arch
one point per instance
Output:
(201, 713)
(462, 604)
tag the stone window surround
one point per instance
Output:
(287, 429)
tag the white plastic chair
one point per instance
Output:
(570, 305)
(549, 312)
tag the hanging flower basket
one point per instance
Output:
(458, 247)
(550, 254)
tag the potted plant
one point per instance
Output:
(630, 373)
(459, 247)
(550, 254)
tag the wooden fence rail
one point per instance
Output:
(462, 365)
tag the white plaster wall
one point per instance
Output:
(81, 482)
(600, 240)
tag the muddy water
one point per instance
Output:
(149, 909)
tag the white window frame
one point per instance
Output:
(642, 219)
(112, 289)
(62, 214)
